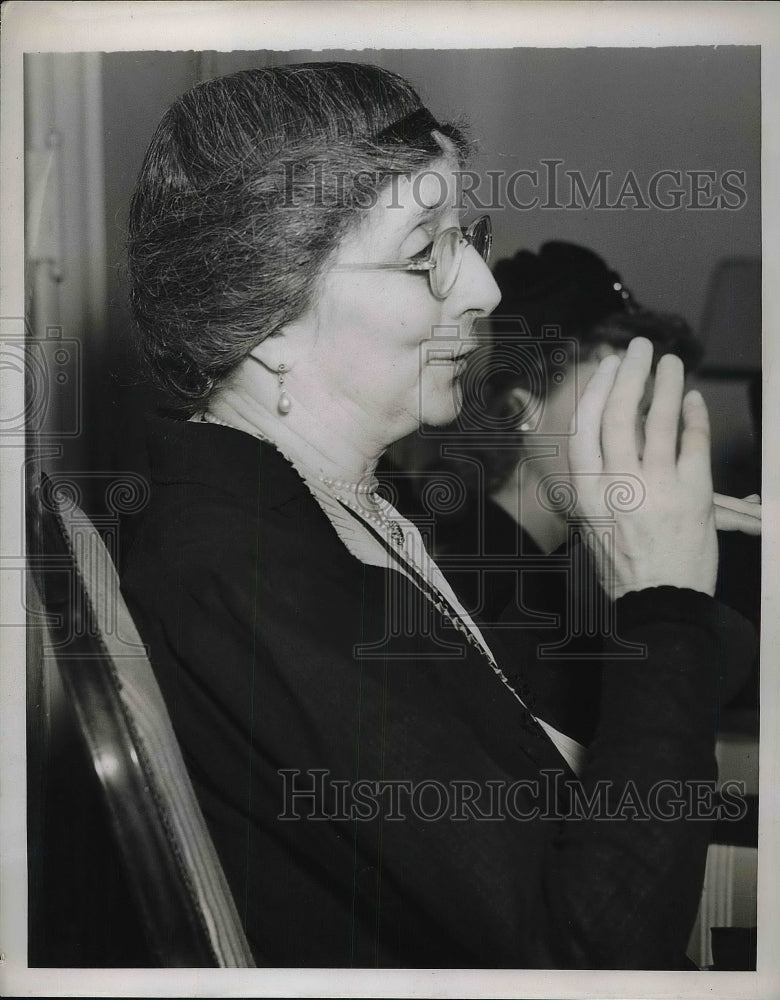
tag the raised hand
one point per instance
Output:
(667, 537)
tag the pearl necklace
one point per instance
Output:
(366, 503)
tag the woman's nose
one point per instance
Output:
(476, 287)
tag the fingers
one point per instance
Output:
(733, 514)
(750, 505)
(619, 424)
(694, 461)
(663, 418)
(585, 442)
(728, 519)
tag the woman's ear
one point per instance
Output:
(284, 347)
(270, 352)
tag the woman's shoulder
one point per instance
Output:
(219, 497)
(205, 459)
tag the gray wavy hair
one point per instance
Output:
(248, 186)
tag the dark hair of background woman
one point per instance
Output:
(564, 296)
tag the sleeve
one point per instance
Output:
(622, 892)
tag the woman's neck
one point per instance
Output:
(315, 438)
(518, 497)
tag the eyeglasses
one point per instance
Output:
(443, 259)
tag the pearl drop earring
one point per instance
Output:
(284, 404)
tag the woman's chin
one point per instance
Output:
(442, 412)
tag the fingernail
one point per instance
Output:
(640, 345)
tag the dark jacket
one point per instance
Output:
(288, 665)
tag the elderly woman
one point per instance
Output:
(377, 788)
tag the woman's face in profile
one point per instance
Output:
(392, 353)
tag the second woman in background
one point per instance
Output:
(508, 537)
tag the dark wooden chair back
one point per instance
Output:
(84, 627)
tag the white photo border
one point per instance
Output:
(83, 26)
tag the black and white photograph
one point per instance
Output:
(389, 393)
